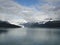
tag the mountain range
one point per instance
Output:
(6, 24)
(49, 24)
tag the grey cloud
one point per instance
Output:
(51, 7)
(10, 10)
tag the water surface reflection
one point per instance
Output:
(30, 36)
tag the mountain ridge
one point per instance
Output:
(6, 24)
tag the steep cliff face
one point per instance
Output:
(8, 25)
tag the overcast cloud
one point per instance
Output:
(10, 10)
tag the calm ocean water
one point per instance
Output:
(29, 36)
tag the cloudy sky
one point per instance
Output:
(29, 10)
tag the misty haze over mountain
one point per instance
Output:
(16, 13)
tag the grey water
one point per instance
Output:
(29, 36)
